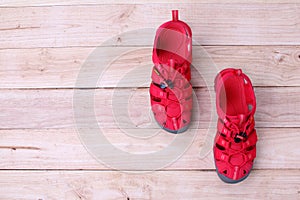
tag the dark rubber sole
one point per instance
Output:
(174, 131)
(231, 181)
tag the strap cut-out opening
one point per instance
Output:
(155, 99)
(220, 147)
(250, 148)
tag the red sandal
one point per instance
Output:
(170, 90)
(235, 141)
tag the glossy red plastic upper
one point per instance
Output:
(170, 90)
(235, 141)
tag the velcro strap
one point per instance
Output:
(252, 139)
(222, 142)
(156, 91)
(219, 155)
(223, 129)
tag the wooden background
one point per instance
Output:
(43, 44)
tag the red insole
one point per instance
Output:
(232, 97)
(171, 46)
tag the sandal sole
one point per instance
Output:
(183, 129)
(228, 180)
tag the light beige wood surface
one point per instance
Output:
(40, 109)
(59, 67)
(62, 149)
(212, 24)
(262, 184)
(16, 3)
(43, 46)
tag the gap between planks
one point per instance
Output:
(63, 149)
(276, 107)
(231, 24)
(59, 67)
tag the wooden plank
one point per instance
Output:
(62, 149)
(277, 107)
(262, 184)
(212, 24)
(18, 3)
(59, 67)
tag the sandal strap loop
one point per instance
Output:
(220, 155)
(158, 92)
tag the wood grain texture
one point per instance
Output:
(44, 45)
(262, 184)
(59, 67)
(231, 24)
(62, 149)
(277, 107)
(18, 3)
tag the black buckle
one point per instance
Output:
(239, 137)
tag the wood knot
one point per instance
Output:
(296, 56)
(279, 57)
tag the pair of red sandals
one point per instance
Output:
(171, 101)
